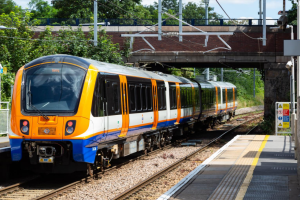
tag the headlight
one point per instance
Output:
(24, 129)
(70, 127)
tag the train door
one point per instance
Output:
(217, 103)
(155, 103)
(226, 99)
(233, 93)
(124, 105)
(178, 103)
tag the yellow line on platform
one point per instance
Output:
(243, 189)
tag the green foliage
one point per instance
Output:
(42, 9)
(268, 125)
(20, 49)
(7, 6)
(292, 16)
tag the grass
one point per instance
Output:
(251, 101)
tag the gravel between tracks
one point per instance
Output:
(249, 109)
(117, 181)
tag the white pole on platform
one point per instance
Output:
(159, 19)
(95, 22)
(180, 21)
(264, 25)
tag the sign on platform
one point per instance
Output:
(283, 117)
(4, 70)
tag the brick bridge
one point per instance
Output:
(245, 53)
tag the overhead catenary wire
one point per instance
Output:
(237, 25)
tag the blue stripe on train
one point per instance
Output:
(85, 150)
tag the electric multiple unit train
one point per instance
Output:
(71, 113)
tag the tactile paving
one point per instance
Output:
(268, 188)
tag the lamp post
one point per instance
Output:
(206, 11)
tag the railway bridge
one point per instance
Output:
(246, 52)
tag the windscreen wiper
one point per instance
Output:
(40, 112)
(32, 106)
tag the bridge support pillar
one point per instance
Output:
(277, 87)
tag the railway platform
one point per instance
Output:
(4, 144)
(248, 167)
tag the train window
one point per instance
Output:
(163, 91)
(149, 98)
(116, 98)
(132, 97)
(144, 101)
(159, 98)
(138, 98)
(97, 107)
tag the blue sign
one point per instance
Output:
(1, 71)
(286, 118)
(280, 118)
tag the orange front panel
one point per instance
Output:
(16, 115)
(36, 129)
(178, 103)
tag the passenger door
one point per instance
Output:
(124, 106)
(178, 103)
(155, 104)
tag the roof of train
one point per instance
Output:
(108, 67)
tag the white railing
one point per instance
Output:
(4, 118)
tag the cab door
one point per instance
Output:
(155, 103)
(124, 105)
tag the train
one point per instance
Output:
(73, 114)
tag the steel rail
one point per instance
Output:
(66, 188)
(137, 187)
(69, 187)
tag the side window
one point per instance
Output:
(159, 98)
(97, 104)
(163, 91)
(116, 96)
(138, 98)
(149, 98)
(144, 101)
(132, 97)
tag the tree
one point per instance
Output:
(197, 11)
(41, 9)
(106, 9)
(17, 46)
(292, 16)
(7, 6)
(168, 5)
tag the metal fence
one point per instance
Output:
(4, 118)
(149, 22)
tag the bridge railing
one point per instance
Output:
(149, 22)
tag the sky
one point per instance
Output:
(235, 8)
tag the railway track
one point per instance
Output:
(39, 191)
(133, 192)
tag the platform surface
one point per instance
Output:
(4, 144)
(250, 167)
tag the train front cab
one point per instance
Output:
(49, 109)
